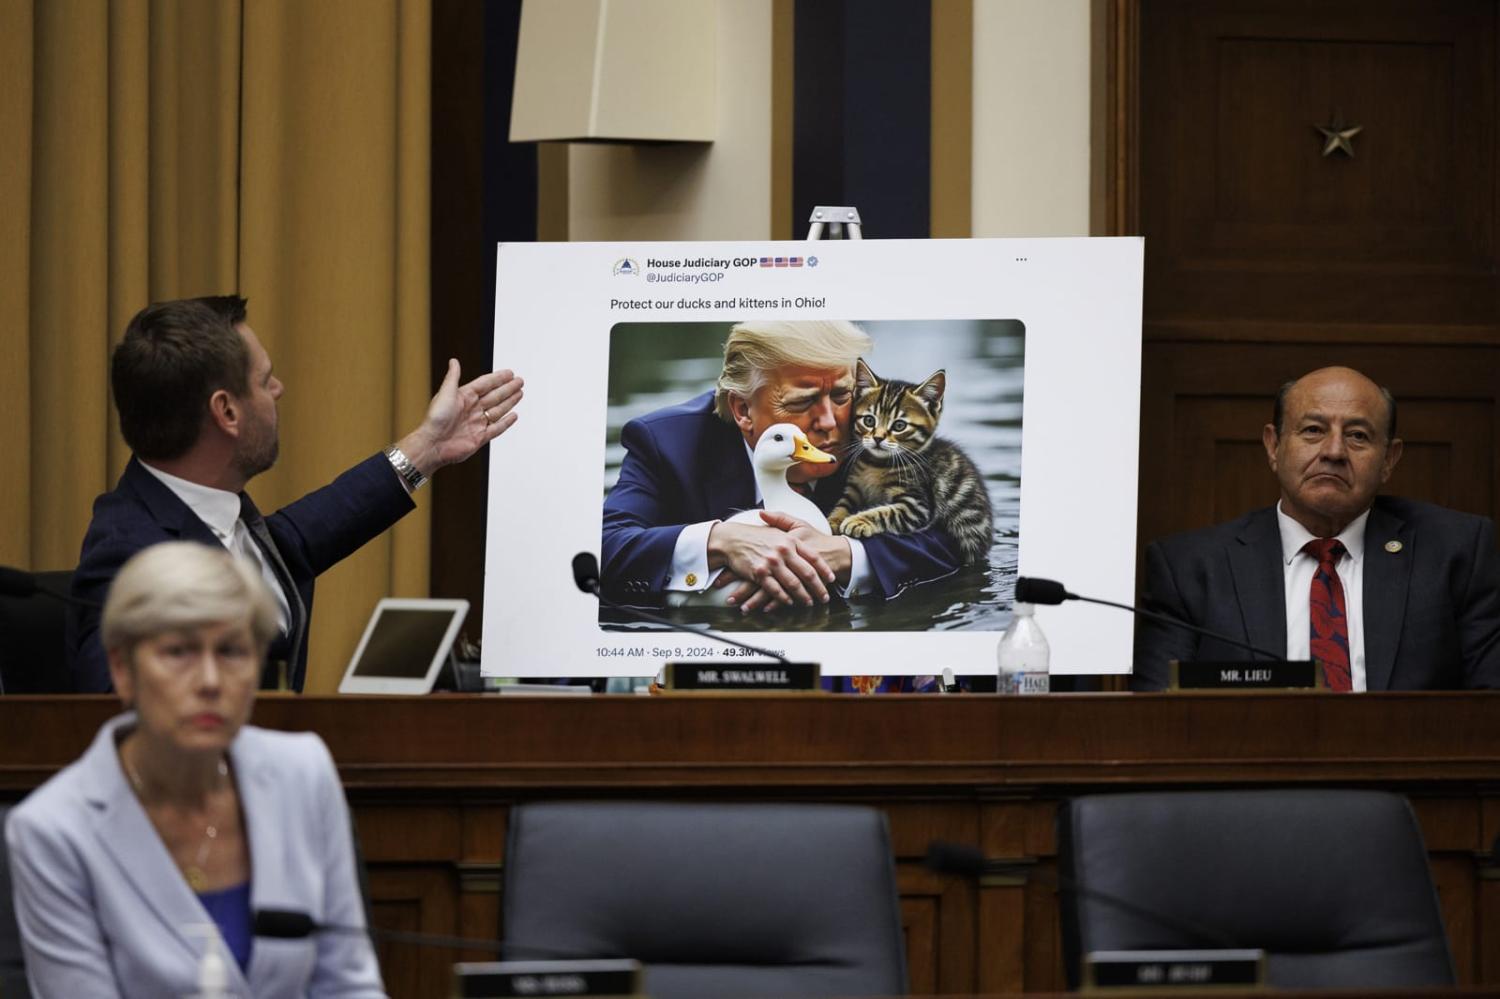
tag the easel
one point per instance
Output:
(838, 219)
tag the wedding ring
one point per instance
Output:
(487, 417)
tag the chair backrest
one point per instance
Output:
(33, 650)
(12, 960)
(716, 900)
(1333, 885)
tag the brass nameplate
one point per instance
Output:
(1208, 674)
(1153, 970)
(709, 677)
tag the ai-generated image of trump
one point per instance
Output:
(821, 483)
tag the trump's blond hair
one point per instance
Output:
(754, 349)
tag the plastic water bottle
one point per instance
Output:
(1023, 655)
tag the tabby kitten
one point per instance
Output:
(904, 478)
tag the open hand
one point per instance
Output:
(461, 419)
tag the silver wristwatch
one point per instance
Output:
(404, 468)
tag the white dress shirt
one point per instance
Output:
(1300, 567)
(220, 510)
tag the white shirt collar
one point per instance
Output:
(218, 508)
(1294, 536)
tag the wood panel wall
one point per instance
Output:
(1266, 259)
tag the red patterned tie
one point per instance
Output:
(1328, 624)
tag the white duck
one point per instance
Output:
(779, 448)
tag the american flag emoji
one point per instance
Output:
(795, 261)
(765, 261)
(781, 261)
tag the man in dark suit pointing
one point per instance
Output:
(197, 396)
(1387, 594)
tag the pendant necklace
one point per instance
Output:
(195, 873)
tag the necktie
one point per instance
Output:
(1328, 624)
(297, 613)
(242, 544)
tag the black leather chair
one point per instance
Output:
(12, 960)
(716, 900)
(33, 651)
(1333, 885)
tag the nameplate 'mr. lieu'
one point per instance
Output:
(1204, 674)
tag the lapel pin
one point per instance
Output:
(1393, 546)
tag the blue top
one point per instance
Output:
(230, 909)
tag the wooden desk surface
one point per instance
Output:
(432, 779)
(937, 742)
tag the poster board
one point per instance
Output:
(1039, 344)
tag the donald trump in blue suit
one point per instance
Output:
(687, 468)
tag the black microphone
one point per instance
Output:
(586, 572)
(1042, 592)
(20, 583)
(586, 576)
(1049, 591)
(289, 924)
(292, 924)
(970, 862)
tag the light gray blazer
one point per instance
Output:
(104, 910)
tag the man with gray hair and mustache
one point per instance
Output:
(687, 469)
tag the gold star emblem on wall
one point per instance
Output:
(1336, 136)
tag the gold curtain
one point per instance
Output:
(158, 149)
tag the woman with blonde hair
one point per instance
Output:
(180, 816)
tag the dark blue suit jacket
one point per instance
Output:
(683, 465)
(311, 534)
(1431, 608)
